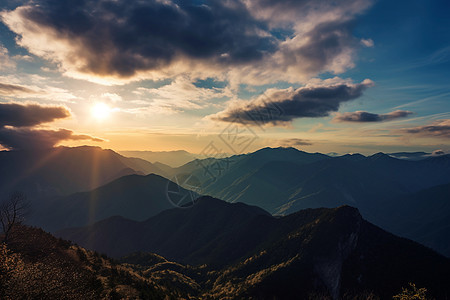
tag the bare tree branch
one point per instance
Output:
(12, 213)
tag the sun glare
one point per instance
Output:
(100, 111)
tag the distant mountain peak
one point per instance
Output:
(272, 149)
(380, 155)
(353, 156)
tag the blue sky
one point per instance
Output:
(341, 76)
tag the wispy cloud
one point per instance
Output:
(440, 128)
(293, 142)
(412, 103)
(363, 116)
(15, 90)
(439, 56)
(12, 88)
(181, 94)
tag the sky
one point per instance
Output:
(228, 76)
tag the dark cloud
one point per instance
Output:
(277, 107)
(17, 120)
(295, 142)
(439, 128)
(26, 138)
(23, 115)
(125, 38)
(325, 42)
(363, 116)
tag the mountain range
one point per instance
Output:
(329, 252)
(285, 180)
(287, 217)
(279, 180)
(63, 170)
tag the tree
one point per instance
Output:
(412, 293)
(12, 213)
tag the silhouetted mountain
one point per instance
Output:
(284, 180)
(440, 160)
(63, 170)
(170, 158)
(136, 197)
(166, 169)
(353, 157)
(206, 230)
(412, 176)
(423, 216)
(222, 177)
(285, 184)
(326, 253)
(279, 180)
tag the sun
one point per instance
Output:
(100, 111)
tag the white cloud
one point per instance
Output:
(111, 97)
(367, 43)
(182, 94)
(12, 87)
(6, 63)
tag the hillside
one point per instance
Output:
(204, 231)
(136, 197)
(332, 252)
(36, 265)
(423, 216)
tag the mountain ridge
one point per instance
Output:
(334, 251)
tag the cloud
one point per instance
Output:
(5, 61)
(438, 152)
(17, 122)
(367, 43)
(246, 41)
(279, 107)
(15, 90)
(31, 114)
(440, 129)
(10, 88)
(111, 97)
(363, 116)
(279, 13)
(23, 57)
(294, 142)
(180, 94)
(26, 138)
